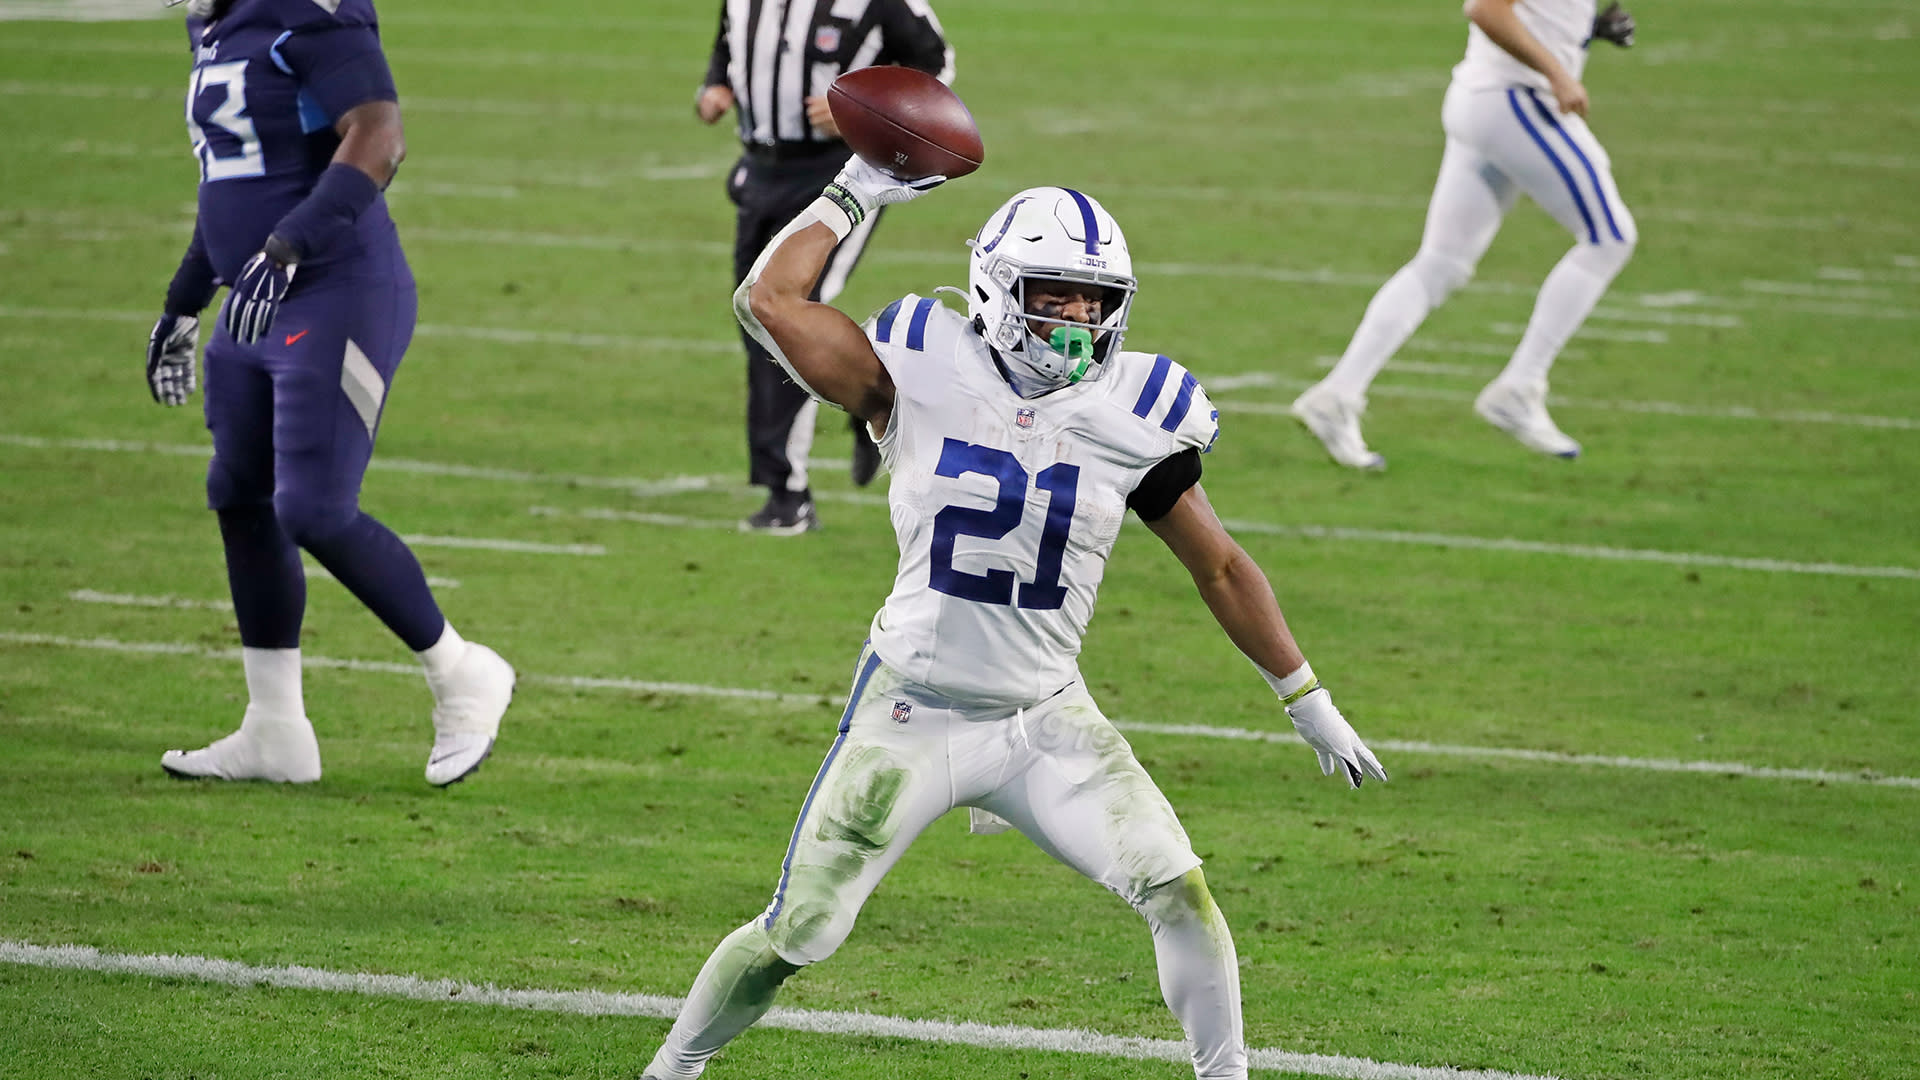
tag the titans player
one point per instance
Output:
(1515, 119)
(296, 124)
(1018, 437)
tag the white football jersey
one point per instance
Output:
(1006, 507)
(1564, 27)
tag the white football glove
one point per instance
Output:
(1319, 722)
(860, 188)
(170, 355)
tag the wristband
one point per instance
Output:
(836, 206)
(1293, 686)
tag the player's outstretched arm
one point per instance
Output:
(1497, 19)
(1241, 599)
(824, 350)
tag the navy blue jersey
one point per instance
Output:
(270, 80)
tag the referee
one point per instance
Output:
(773, 60)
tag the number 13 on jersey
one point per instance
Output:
(1061, 482)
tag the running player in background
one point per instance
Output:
(296, 124)
(1018, 436)
(1515, 118)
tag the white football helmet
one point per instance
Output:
(1049, 234)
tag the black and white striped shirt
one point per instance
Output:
(774, 54)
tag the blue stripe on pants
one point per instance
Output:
(846, 723)
(1580, 203)
(1592, 173)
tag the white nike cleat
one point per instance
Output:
(468, 705)
(1335, 421)
(1520, 410)
(277, 750)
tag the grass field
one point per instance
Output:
(1731, 575)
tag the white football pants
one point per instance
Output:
(1058, 771)
(1501, 143)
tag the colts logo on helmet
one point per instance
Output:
(902, 711)
(1024, 418)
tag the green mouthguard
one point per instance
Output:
(1076, 344)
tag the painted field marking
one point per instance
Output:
(679, 521)
(859, 498)
(523, 547)
(1555, 757)
(1401, 746)
(1577, 551)
(413, 670)
(658, 1007)
(1377, 536)
(1650, 408)
(1591, 332)
(1415, 367)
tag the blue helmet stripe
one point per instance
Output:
(1087, 218)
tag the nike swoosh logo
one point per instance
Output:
(291, 338)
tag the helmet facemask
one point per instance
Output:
(1039, 242)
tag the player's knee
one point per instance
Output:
(808, 930)
(1184, 899)
(1441, 274)
(310, 520)
(227, 490)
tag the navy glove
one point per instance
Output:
(256, 297)
(170, 353)
(1615, 25)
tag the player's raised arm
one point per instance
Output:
(1242, 602)
(1501, 24)
(817, 344)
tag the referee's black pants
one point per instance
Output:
(769, 191)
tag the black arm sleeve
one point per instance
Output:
(1164, 484)
(722, 55)
(914, 41)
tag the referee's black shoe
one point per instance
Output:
(787, 513)
(866, 456)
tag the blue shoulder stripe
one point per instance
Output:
(917, 329)
(1182, 401)
(1150, 393)
(884, 328)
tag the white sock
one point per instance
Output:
(1396, 311)
(1566, 298)
(274, 697)
(1199, 974)
(444, 655)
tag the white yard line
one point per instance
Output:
(859, 498)
(1591, 332)
(522, 547)
(413, 670)
(1576, 551)
(654, 1006)
(1650, 408)
(577, 682)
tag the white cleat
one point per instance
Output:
(279, 751)
(1335, 421)
(468, 705)
(1520, 410)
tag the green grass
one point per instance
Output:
(1585, 922)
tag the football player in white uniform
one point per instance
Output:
(1515, 122)
(1017, 436)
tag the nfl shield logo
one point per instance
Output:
(826, 39)
(1024, 418)
(902, 711)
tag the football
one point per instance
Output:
(906, 122)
